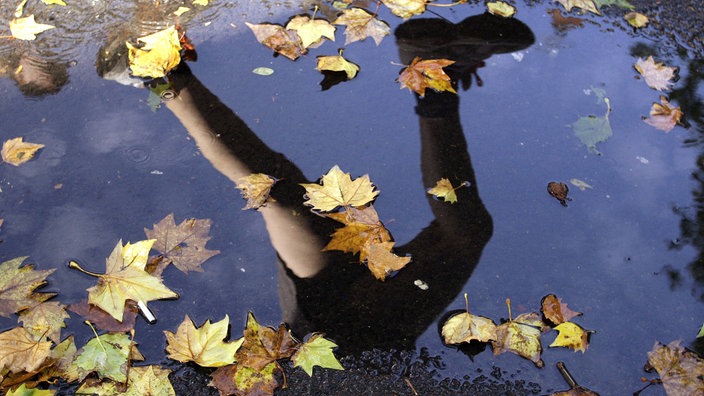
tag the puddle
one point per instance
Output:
(113, 167)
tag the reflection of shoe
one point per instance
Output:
(467, 43)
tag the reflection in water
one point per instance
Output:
(322, 291)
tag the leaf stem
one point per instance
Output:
(96, 335)
(74, 264)
(508, 304)
(466, 303)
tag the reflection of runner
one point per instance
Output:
(34, 76)
(322, 291)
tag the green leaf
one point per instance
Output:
(317, 351)
(618, 3)
(701, 332)
(106, 355)
(23, 391)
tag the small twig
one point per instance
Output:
(566, 375)
(410, 385)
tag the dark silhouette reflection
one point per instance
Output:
(325, 291)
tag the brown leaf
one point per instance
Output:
(264, 345)
(19, 350)
(240, 380)
(521, 336)
(555, 310)
(17, 284)
(255, 189)
(663, 116)
(563, 23)
(103, 320)
(362, 226)
(362, 24)
(422, 74)
(45, 319)
(381, 261)
(276, 37)
(16, 152)
(182, 245)
(681, 371)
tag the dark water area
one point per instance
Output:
(618, 252)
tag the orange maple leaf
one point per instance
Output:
(422, 74)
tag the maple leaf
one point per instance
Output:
(282, 41)
(125, 279)
(405, 8)
(255, 189)
(45, 319)
(501, 9)
(663, 116)
(240, 380)
(263, 345)
(555, 310)
(380, 260)
(337, 63)
(422, 74)
(311, 31)
(19, 351)
(571, 335)
(16, 152)
(656, 74)
(361, 24)
(362, 226)
(316, 351)
(103, 320)
(156, 54)
(27, 28)
(636, 19)
(205, 345)
(107, 355)
(586, 5)
(520, 336)
(182, 245)
(149, 380)
(466, 327)
(62, 357)
(444, 189)
(17, 284)
(338, 189)
(681, 371)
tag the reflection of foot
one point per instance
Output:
(468, 43)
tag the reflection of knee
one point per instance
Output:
(437, 104)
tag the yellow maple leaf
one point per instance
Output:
(380, 260)
(636, 19)
(587, 5)
(422, 74)
(205, 345)
(19, 351)
(149, 380)
(501, 9)
(571, 335)
(255, 189)
(362, 24)
(338, 189)
(466, 327)
(27, 28)
(362, 226)
(444, 189)
(311, 31)
(656, 74)
(337, 63)
(125, 279)
(405, 8)
(16, 152)
(156, 55)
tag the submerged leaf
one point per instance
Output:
(182, 245)
(592, 129)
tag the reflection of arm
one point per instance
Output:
(234, 150)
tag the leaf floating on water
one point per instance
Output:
(16, 152)
(617, 3)
(276, 37)
(656, 75)
(338, 189)
(444, 189)
(555, 310)
(636, 19)
(466, 327)
(311, 31)
(317, 351)
(21, 351)
(586, 5)
(17, 284)
(663, 116)
(204, 346)
(107, 355)
(337, 63)
(255, 189)
(520, 336)
(263, 71)
(156, 54)
(501, 9)
(422, 74)
(56, 2)
(571, 335)
(559, 191)
(680, 370)
(27, 28)
(362, 24)
(405, 8)
(149, 380)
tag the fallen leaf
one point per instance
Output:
(182, 245)
(311, 31)
(337, 63)
(316, 351)
(16, 152)
(466, 327)
(501, 9)
(520, 336)
(618, 3)
(405, 8)
(149, 380)
(563, 23)
(103, 320)
(181, 10)
(580, 184)
(156, 54)
(362, 227)
(444, 189)
(279, 39)
(586, 5)
(22, 390)
(54, 2)
(681, 371)
(361, 24)
(125, 279)
(201, 2)
(593, 129)
(27, 28)
(240, 380)
(45, 319)
(62, 356)
(255, 189)
(17, 284)
(656, 74)
(264, 345)
(205, 345)
(636, 19)
(422, 74)
(263, 71)
(663, 116)
(571, 335)
(338, 189)
(106, 355)
(380, 260)
(555, 310)
(19, 350)
(559, 191)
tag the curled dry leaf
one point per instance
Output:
(663, 116)
(362, 24)
(586, 5)
(501, 9)
(521, 336)
(16, 152)
(636, 19)
(555, 310)
(282, 41)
